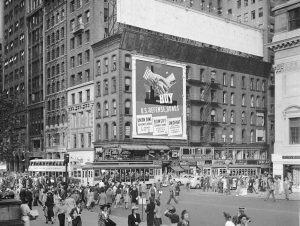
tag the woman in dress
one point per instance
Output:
(90, 199)
(103, 215)
(157, 213)
(126, 196)
(49, 204)
(184, 219)
(25, 212)
(75, 215)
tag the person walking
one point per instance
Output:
(184, 219)
(286, 185)
(103, 215)
(172, 194)
(172, 215)
(228, 219)
(102, 199)
(157, 213)
(270, 188)
(150, 212)
(134, 195)
(70, 204)
(25, 212)
(90, 202)
(134, 218)
(50, 205)
(126, 196)
(61, 212)
(109, 196)
(75, 215)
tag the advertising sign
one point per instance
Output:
(159, 99)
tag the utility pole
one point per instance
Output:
(66, 162)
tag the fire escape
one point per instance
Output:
(208, 103)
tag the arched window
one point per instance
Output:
(257, 101)
(114, 130)
(243, 117)
(127, 84)
(106, 108)
(252, 101)
(224, 115)
(232, 98)
(57, 103)
(127, 107)
(252, 136)
(257, 85)
(232, 80)
(212, 134)
(62, 101)
(127, 63)
(114, 107)
(127, 130)
(232, 116)
(224, 97)
(263, 102)
(201, 114)
(243, 100)
(252, 118)
(57, 119)
(106, 131)
(105, 69)
(202, 91)
(63, 118)
(98, 131)
(98, 89)
(57, 86)
(113, 85)
(98, 68)
(98, 113)
(114, 63)
(224, 134)
(243, 136)
(201, 133)
(213, 115)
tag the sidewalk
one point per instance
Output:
(122, 221)
(295, 196)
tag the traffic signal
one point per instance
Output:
(66, 159)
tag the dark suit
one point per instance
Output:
(132, 220)
(76, 220)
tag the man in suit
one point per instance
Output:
(134, 218)
(75, 214)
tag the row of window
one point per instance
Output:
(260, 102)
(56, 120)
(55, 70)
(79, 60)
(17, 7)
(55, 53)
(110, 131)
(18, 73)
(82, 140)
(77, 99)
(59, 16)
(14, 59)
(79, 39)
(15, 91)
(79, 21)
(56, 104)
(253, 14)
(14, 44)
(54, 140)
(80, 78)
(13, 28)
(76, 4)
(55, 36)
(127, 64)
(113, 110)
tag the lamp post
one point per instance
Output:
(66, 162)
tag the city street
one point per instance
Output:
(206, 209)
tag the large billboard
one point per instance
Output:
(159, 98)
(184, 22)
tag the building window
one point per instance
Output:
(263, 85)
(252, 84)
(114, 130)
(72, 6)
(89, 139)
(212, 134)
(232, 116)
(113, 85)
(106, 132)
(98, 131)
(232, 80)
(245, 17)
(294, 19)
(252, 136)
(72, 43)
(114, 63)
(243, 82)
(98, 89)
(79, 76)
(224, 116)
(257, 101)
(213, 115)
(257, 85)
(87, 35)
(252, 101)
(105, 88)
(127, 107)
(260, 12)
(106, 112)
(82, 140)
(79, 59)
(239, 4)
(127, 64)
(243, 136)
(87, 75)
(98, 113)
(239, 18)
(105, 65)
(243, 100)
(74, 141)
(88, 95)
(224, 79)
(72, 80)
(224, 97)
(243, 117)
(253, 15)
(245, 3)
(252, 118)
(80, 97)
(294, 124)
(87, 55)
(232, 98)
(127, 130)
(263, 102)
(114, 107)
(98, 67)
(72, 59)
(79, 40)
(87, 16)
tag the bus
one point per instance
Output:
(51, 167)
(122, 171)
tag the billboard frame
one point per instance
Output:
(136, 57)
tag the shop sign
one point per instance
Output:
(207, 157)
(200, 163)
(187, 157)
(263, 162)
(291, 157)
(193, 163)
(158, 163)
(241, 162)
(218, 162)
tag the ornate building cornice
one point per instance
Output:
(285, 44)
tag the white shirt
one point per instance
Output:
(229, 223)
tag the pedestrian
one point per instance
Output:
(244, 220)
(172, 215)
(228, 219)
(90, 202)
(109, 196)
(184, 219)
(126, 196)
(61, 211)
(70, 204)
(172, 194)
(118, 197)
(50, 205)
(75, 215)
(286, 185)
(25, 212)
(134, 218)
(29, 197)
(158, 189)
(150, 212)
(103, 216)
(134, 195)
(152, 191)
(270, 188)
(102, 199)
(157, 213)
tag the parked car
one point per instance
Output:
(184, 179)
(196, 182)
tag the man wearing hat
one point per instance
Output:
(134, 218)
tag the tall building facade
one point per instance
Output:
(286, 45)
(14, 74)
(35, 76)
(56, 78)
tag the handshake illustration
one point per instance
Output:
(159, 84)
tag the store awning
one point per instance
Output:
(134, 147)
(109, 146)
(177, 168)
(158, 147)
(185, 167)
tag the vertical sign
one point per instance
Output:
(159, 98)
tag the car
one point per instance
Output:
(184, 179)
(196, 182)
